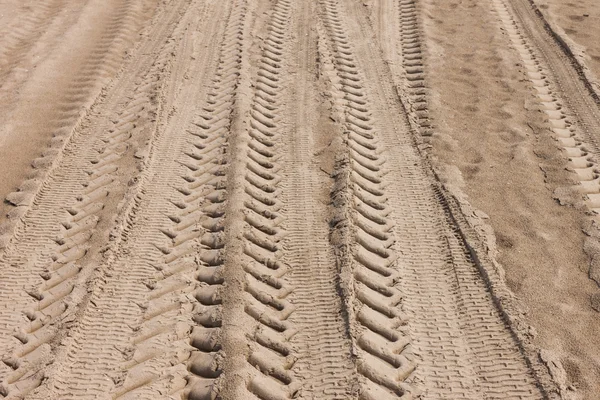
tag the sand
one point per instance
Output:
(291, 199)
(492, 129)
(578, 24)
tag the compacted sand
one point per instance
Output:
(277, 199)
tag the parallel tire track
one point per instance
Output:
(19, 36)
(195, 280)
(566, 127)
(448, 324)
(61, 274)
(324, 367)
(119, 288)
(91, 175)
(182, 317)
(266, 288)
(466, 277)
(174, 268)
(365, 233)
(103, 61)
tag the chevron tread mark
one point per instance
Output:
(102, 62)
(177, 346)
(364, 232)
(60, 271)
(266, 287)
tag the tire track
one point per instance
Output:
(190, 273)
(237, 264)
(400, 34)
(21, 35)
(242, 333)
(363, 233)
(572, 115)
(501, 295)
(184, 268)
(116, 289)
(413, 66)
(60, 264)
(570, 130)
(101, 62)
(531, 13)
(565, 94)
(322, 346)
(204, 239)
(446, 310)
(266, 284)
(567, 130)
(61, 275)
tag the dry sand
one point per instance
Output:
(578, 23)
(492, 130)
(289, 199)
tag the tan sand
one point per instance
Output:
(283, 199)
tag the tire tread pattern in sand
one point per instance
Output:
(182, 319)
(65, 241)
(71, 244)
(449, 312)
(359, 196)
(571, 130)
(104, 60)
(266, 288)
(180, 269)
